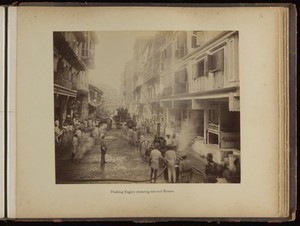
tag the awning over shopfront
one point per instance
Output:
(203, 100)
(60, 90)
(83, 91)
(187, 104)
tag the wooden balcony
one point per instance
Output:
(149, 76)
(180, 88)
(67, 52)
(59, 80)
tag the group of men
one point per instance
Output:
(177, 165)
(214, 172)
(81, 135)
(89, 134)
(122, 114)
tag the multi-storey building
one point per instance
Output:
(127, 84)
(200, 76)
(132, 83)
(194, 76)
(140, 56)
(73, 56)
(94, 98)
(191, 78)
(141, 77)
(151, 79)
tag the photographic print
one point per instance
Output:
(146, 107)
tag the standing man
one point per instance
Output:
(185, 169)
(135, 137)
(109, 124)
(171, 159)
(155, 156)
(58, 133)
(103, 148)
(210, 170)
(130, 136)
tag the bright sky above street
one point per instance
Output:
(114, 49)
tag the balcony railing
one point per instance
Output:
(181, 88)
(66, 49)
(212, 126)
(59, 80)
(149, 76)
(218, 80)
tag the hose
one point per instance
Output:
(136, 181)
(200, 172)
(124, 180)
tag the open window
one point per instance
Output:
(198, 38)
(181, 81)
(216, 61)
(165, 58)
(199, 69)
(181, 45)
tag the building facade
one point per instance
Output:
(94, 99)
(191, 80)
(201, 91)
(73, 57)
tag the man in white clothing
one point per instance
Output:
(171, 159)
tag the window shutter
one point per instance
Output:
(194, 41)
(177, 42)
(176, 76)
(209, 64)
(169, 52)
(185, 74)
(176, 81)
(185, 50)
(201, 67)
(220, 60)
(182, 76)
(195, 71)
(200, 38)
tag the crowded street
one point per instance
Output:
(123, 163)
(156, 109)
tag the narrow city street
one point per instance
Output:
(161, 83)
(123, 163)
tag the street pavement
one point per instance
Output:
(124, 164)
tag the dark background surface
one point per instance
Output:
(149, 3)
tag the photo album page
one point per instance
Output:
(146, 112)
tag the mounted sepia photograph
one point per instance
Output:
(113, 111)
(146, 107)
